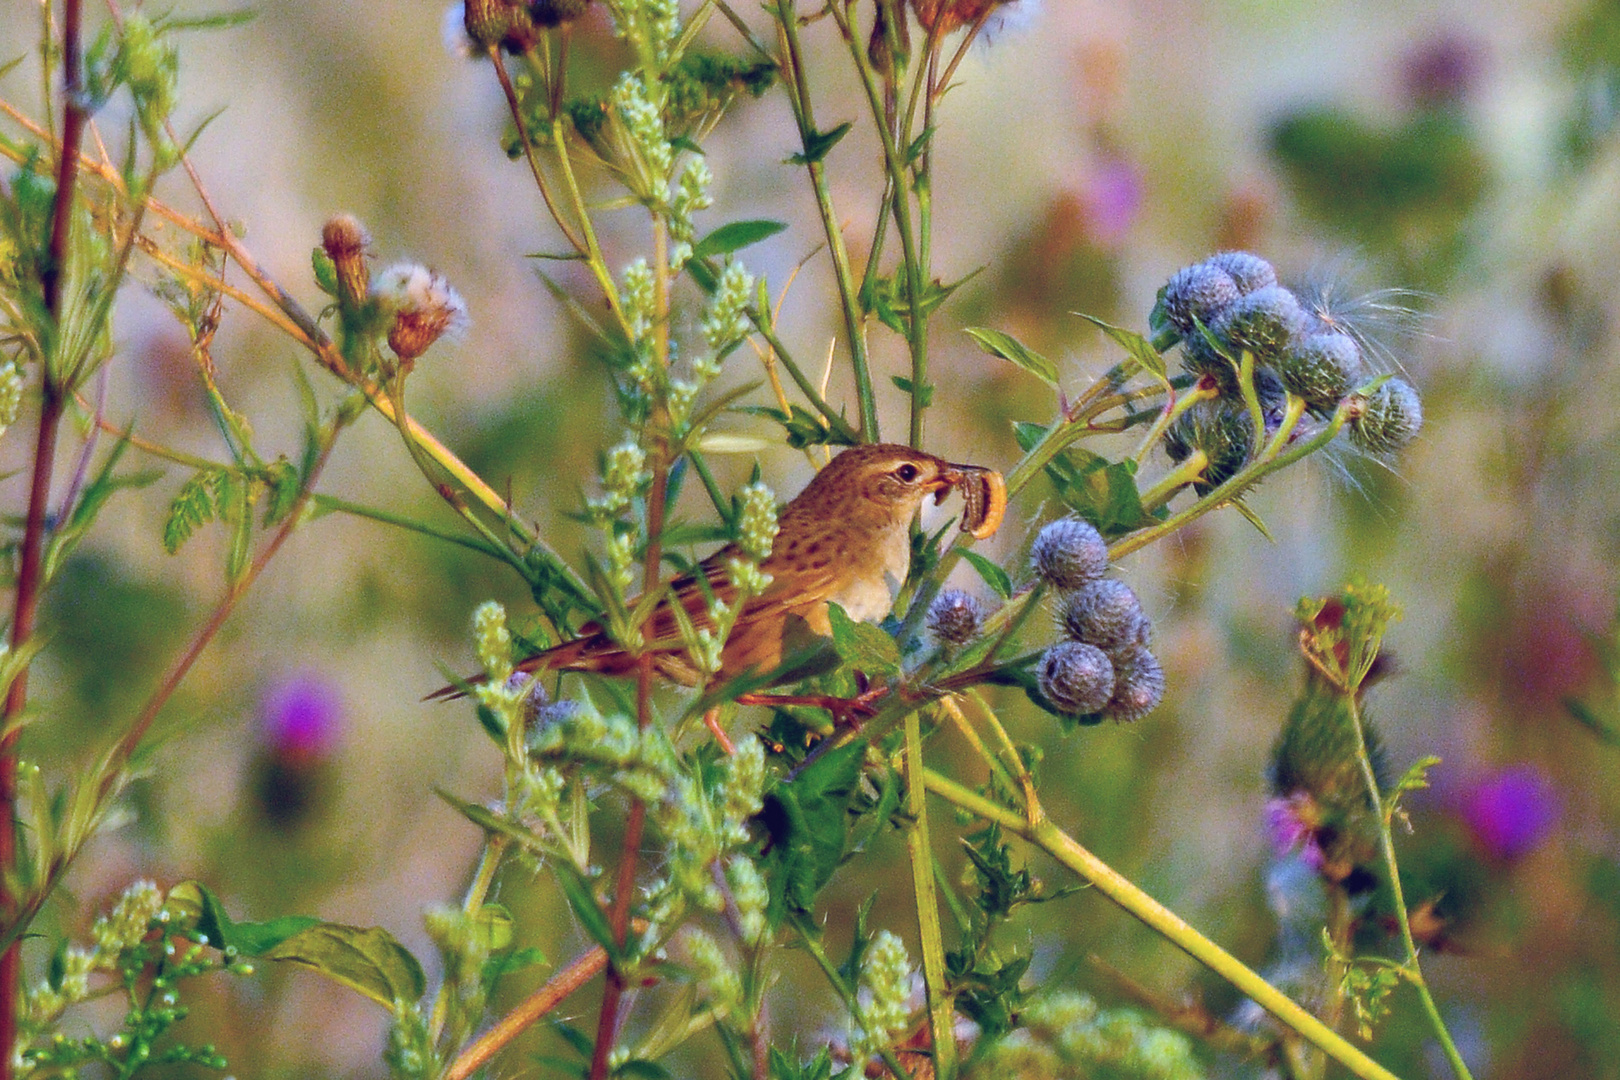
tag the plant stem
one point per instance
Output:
(941, 1008)
(524, 1015)
(516, 108)
(1116, 887)
(793, 71)
(1386, 844)
(484, 877)
(845, 993)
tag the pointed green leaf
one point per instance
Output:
(862, 645)
(1011, 349)
(592, 919)
(365, 959)
(193, 901)
(817, 144)
(734, 236)
(994, 576)
(1138, 348)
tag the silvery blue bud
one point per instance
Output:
(1390, 417)
(1199, 292)
(1321, 368)
(1076, 678)
(1138, 684)
(1249, 272)
(1107, 614)
(1263, 322)
(1068, 553)
(954, 616)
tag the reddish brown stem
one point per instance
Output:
(607, 1022)
(39, 494)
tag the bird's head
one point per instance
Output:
(879, 482)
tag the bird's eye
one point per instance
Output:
(907, 473)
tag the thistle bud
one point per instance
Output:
(425, 308)
(556, 12)
(942, 16)
(1200, 292)
(1222, 430)
(1249, 272)
(1389, 418)
(1320, 368)
(1107, 614)
(1263, 322)
(346, 241)
(1076, 678)
(954, 616)
(1068, 553)
(1138, 684)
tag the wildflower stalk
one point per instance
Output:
(1067, 851)
(527, 1013)
(1386, 844)
(845, 992)
(798, 93)
(489, 861)
(29, 578)
(919, 848)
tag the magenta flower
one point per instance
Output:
(1511, 811)
(1112, 198)
(301, 717)
(1293, 823)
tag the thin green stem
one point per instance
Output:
(1386, 844)
(1122, 891)
(793, 70)
(604, 278)
(767, 330)
(489, 861)
(941, 1007)
(388, 517)
(515, 107)
(1165, 488)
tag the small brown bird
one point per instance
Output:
(845, 539)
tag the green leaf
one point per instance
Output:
(489, 820)
(1138, 348)
(920, 144)
(1102, 492)
(994, 576)
(1248, 514)
(927, 397)
(863, 646)
(592, 919)
(736, 235)
(192, 901)
(325, 271)
(817, 144)
(283, 485)
(890, 299)
(365, 959)
(1011, 349)
(1416, 777)
(804, 428)
(808, 820)
(495, 927)
(1028, 435)
(192, 508)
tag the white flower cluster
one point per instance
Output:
(756, 525)
(493, 642)
(121, 928)
(691, 195)
(726, 323)
(638, 298)
(656, 23)
(12, 382)
(885, 986)
(644, 122)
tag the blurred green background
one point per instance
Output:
(1467, 153)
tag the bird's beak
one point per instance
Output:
(946, 482)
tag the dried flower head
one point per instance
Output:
(1199, 292)
(1263, 322)
(1321, 368)
(425, 308)
(346, 242)
(1250, 272)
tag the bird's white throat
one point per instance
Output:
(868, 596)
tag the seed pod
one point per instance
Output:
(1222, 430)
(1107, 614)
(1076, 678)
(1069, 553)
(1249, 272)
(1263, 322)
(1201, 291)
(1320, 368)
(1390, 417)
(954, 616)
(1138, 684)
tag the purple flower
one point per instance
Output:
(300, 717)
(1292, 823)
(1511, 811)
(1112, 198)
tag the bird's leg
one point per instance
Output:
(846, 712)
(711, 720)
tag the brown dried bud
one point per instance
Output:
(556, 12)
(943, 16)
(346, 241)
(425, 308)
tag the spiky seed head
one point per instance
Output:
(954, 616)
(1222, 430)
(1138, 684)
(1068, 553)
(1249, 272)
(1107, 614)
(1263, 322)
(1320, 368)
(1076, 678)
(1200, 292)
(1390, 418)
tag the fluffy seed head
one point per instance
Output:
(1262, 322)
(1222, 430)
(1138, 684)
(954, 616)
(1068, 553)
(425, 308)
(1107, 614)
(1320, 368)
(1249, 272)
(1077, 678)
(1391, 416)
(1200, 292)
